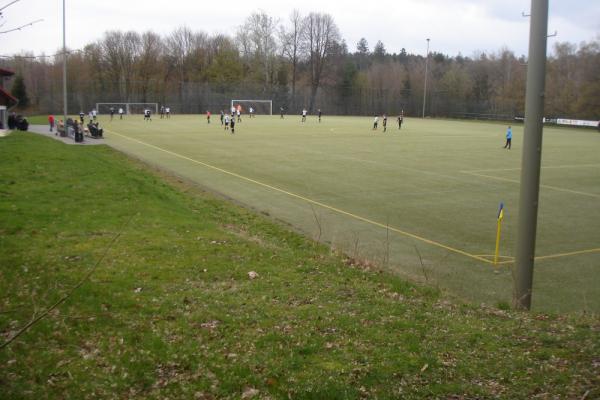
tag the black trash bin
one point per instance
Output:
(12, 121)
(22, 124)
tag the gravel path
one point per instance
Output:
(45, 131)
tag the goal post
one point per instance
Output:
(260, 107)
(128, 108)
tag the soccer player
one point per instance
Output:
(168, 112)
(147, 115)
(384, 122)
(94, 114)
(508, 138)
(112, 113)
(239, 114)
(162, 112)
(222, 117)
(304, 115)
(375, 122)
(400, 119)
(320, 113)
(120, 112)
(81, 116)
(207, 117)
(226, 122)
(251, 112)
(281, 112)
(232, 125)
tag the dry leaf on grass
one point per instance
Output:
(249, 393)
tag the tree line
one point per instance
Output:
(304, 62)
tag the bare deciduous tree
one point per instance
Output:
(291, 46)
(257, 36)
(320, 35)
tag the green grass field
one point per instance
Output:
(421, 201)
(169, 310)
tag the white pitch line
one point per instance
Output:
(558, 189)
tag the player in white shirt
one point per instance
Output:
(304, 115)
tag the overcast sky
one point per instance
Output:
(454, 26)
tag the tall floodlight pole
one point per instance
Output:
(425, 88)
(532, 153)
(64, 70)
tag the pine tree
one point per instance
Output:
(20, 92)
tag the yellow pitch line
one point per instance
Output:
(572, 253)
(506, 262)
(358, 217)
(498, 178)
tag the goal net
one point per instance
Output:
(128, 108)
(259, 107)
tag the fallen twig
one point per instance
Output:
(35, 319)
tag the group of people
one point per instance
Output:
(305, 113)
(16, 121)
(93, 115)
(400, 119)
(165, 112)
(229, 119)
(93, 127)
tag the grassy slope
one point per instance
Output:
(171, 312)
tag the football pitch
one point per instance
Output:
(421, 201)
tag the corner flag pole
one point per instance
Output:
(532, 154)
(498, 229)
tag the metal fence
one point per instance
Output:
(195, 98)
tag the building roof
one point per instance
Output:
(7, 98)
(6, 72)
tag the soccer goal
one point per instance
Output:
(128, 108)
(260, 107)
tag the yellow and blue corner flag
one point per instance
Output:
(501, 212)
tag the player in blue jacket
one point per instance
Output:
(508, 138)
